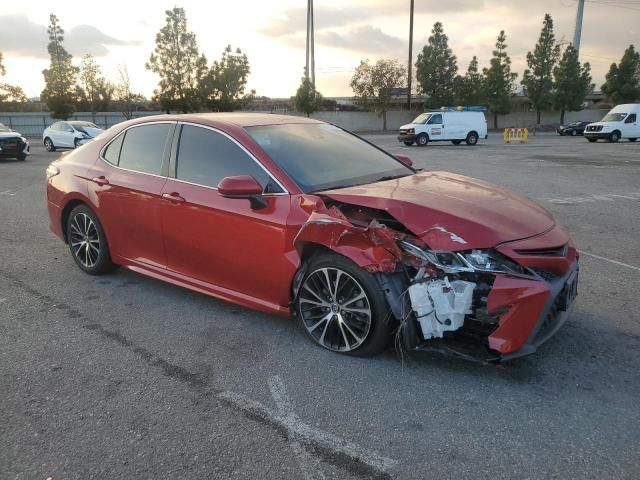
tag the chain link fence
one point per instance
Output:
(32, 124)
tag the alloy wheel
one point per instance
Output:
(335, 309)
(84, 241)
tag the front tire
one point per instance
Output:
(87, 242)
(48, 144)
(573, 133)
(342, 308)
(22, 157)
(614, 137)
(592, 140)
(408, 144)
(472, 138)
(422, 139)
(632, 139)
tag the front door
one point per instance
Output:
(127, 185)
(632, 126)
(223, 241)
(436, 127)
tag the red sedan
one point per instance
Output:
(290, 215)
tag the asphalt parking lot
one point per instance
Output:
(123, 376)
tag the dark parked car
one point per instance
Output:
(290, 215)
(573, 129)
(12, 144)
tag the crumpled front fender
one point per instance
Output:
(373, 247)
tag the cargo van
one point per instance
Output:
(456, 126)
(623, 121)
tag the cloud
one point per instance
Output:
(294, 20)
(20, 36)
(367, 39)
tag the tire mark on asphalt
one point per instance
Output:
(330, 448)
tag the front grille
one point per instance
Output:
(560, 251)
(548, 275)
(594, 128)
(9, 144)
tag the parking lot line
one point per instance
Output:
(615, 262)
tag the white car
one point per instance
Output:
(69, 134)
(12, 144)
(450, 125)
(622, 121)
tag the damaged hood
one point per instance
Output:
(452, 212)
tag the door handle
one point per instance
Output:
(101, 180)
(173, 197)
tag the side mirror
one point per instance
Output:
(243, 186)
(406, 160)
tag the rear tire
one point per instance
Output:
(87, 242)
(408, 144)
(472, 138)
(614, 137)
(456, 142)
(332, 318)
(48, 144)
(422, 139)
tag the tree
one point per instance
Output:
(124, 94)
(177, 61)
(469, 90)
(622, 83)
(8, 92)
(307, 99)
(538, 79)
(437, 68)
(94, 89)
(224, 85)
(499, 81)
(60, 77)
(572, 82)
(374, 85)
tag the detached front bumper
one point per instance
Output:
(534, 311)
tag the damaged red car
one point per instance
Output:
(294, 216)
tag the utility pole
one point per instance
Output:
(578, 30)
(410, 66)
(313, 54)
(306, 70)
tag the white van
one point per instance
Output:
(454, 125)
(623, 121)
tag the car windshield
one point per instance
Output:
(321, 157)
(422, 118)
(614, 117)
(575, 124)
(4, 128)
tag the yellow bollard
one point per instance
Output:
(521, 134)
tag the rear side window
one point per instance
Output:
(112, 152)
(143, 148)
(205, 157)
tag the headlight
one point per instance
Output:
(24, 140)
(488, 261)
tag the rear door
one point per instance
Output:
(223, 241)
(126, 185)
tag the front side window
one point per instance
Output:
(205, 157)
(320, 156)
(436, 119)
(631, 118)
(143, 148)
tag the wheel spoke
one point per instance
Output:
(324, 332)
(347, 345)
(358, 339)
(306, 287)
(313, 302)
(357, 310)
(323, 319)
(354, 299)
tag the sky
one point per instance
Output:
(272, 33)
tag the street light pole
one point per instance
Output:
(313, 54)
(306, 70)
(577, 34)
(410, 66)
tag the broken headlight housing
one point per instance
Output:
(485, 261)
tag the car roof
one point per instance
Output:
(238, 119)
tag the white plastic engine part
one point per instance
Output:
(440, 305)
